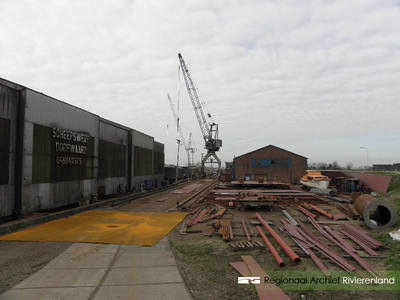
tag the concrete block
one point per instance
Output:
(150, 275)
(62, 278)
(145, 259)
(92, 248)
(77, 293)
(81, 261)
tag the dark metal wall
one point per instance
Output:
(9, 109)
(387, 167)
(158, 158)
(112, 159)
(54, 154)
(50, 164)
(5, 125)
(272, 164)
(144, 159)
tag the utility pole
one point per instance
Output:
(367, 156)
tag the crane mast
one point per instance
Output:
(182, 137)
(208, 130)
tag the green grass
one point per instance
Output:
(392, 261)
(207, 272)
(394, 185)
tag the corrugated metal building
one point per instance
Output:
(53, 154)
(270, 163)
(386, 167)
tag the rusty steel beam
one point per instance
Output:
(339, 239)
(326, 250)
(347, 248)
(305, 211)
(366, 239)
(246, 231)
(198, 217)
(271, 248)
(325, 213)
(321, 211)
(295, 233)
(352, 209)
(360, 243)
(194, 217)
(370, 269)
(230, 231)
(346, 212)
(293, 256)
(215, 216)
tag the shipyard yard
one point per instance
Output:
(199, 150)
(91, 210)
(204, 252)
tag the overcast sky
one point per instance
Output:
(318, 78)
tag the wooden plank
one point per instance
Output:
(266, 291)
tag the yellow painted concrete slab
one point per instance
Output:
(101, 226)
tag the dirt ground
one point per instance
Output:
(164, 201)
(18, 260)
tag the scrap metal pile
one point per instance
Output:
(259, 198)
(312, 231)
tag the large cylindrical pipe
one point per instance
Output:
(271, 248)
(293, 256)
(376, 213)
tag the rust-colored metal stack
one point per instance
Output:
(361, 238)
(225, 229)
(348, 210)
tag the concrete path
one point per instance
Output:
(103, 271)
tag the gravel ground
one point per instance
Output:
(18, 260)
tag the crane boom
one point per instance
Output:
(209, 131)
(194, 98)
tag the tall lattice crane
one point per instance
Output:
(191, 150)
(208, 130)
(179, 129)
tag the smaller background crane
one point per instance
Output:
(181, 139)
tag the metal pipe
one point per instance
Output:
(321, 211)
(293, 256)
(376, 213)
(290, 218)
(305, 211)
(271, 248)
